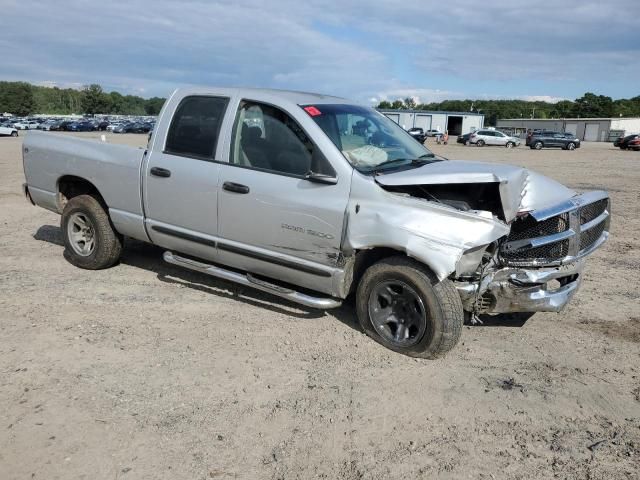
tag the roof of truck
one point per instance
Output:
(300, 98)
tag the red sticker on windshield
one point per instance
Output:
(313, 111)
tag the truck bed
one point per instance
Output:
(114, 170)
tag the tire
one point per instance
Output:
(434, 309)
(510, 145)
(538, 145)
(14, 134)
(97, 247)
(480, 143)
(571, 146)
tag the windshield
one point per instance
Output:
(370, 141)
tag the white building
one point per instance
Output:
(587, 129)
(456, 123)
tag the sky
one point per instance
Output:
(364, 50)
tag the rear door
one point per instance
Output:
(181, 178)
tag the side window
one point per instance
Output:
(266, 138)
(195, 127)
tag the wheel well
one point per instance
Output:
(366, 258)
(71, 186)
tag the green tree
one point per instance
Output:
(384, 104)
(410, 103)
(152, 106)
(94, 100)
(16, 98)
(397, 105)
(591, 105)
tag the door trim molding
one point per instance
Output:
(278, 261)
(184, 236)
(221, 245)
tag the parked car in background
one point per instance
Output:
(634, 144)
(433, 132)
(80, 127)
(623, 142)
(464, 139)
(547, 139)
(531, 133)
(26, 125)
(418, 134)
(49, 125)
(493, 137)
(8, 131)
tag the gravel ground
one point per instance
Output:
(146, 371)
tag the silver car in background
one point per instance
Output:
(493, 137)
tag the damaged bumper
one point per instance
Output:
(522, 290)
(541, 261)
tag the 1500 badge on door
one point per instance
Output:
(308, 231)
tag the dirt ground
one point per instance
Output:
(145, 371)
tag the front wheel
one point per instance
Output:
(402, 306)
(510, 144)
(14, 134)
(571, 146)
(90, 240)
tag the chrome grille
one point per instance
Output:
(529, 227)
(593, 210)
(591, 236)
(540, 254)
(560, 234)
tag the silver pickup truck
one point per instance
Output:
(313, 198)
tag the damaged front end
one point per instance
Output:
(510, 239)
(538, 266)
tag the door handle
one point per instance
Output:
(235, 187)
(160, 172)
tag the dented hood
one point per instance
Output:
(520, 188)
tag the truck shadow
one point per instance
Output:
(149, 257)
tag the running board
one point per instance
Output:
(249, 280)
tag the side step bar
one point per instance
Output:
(249, 280)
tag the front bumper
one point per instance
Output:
(542, 271)
(522, 290)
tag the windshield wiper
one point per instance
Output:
(421, 160)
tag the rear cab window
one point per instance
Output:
(195, 127)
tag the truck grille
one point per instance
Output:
(561, 237)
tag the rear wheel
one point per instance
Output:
(537, 145)
(89, 238)
(401, 305)
(480, 143)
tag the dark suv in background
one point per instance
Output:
(628, 141)
(546, 139)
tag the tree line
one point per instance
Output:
(589, 105)
(22, 99)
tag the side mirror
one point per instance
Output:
(320, 170)
(320, 178)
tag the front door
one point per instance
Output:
(273, 221)
(181, 179)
